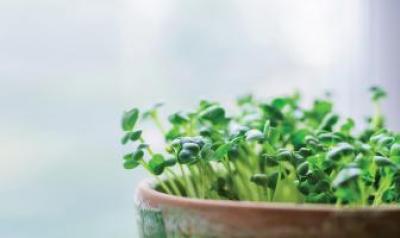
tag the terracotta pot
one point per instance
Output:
(162, 215)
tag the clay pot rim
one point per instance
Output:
(146, 191)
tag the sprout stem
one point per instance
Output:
(173, 181)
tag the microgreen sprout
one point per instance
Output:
(275, 150)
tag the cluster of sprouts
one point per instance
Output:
(273, 150)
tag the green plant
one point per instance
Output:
(272, 150)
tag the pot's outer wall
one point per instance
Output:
(162, 215)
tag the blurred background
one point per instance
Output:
(68, 68)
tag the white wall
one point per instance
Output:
(386, 54)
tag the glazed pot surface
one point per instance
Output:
(163, 215)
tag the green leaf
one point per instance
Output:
(347, 126)
(302, 169)
(129, 119)
(272, 179)
(131, 136)
(272, 112)
(173, 133)
(246, 99)
(215, 114)
(204, 104)
(206, 152)
(137, 155)
(374, 140)
(298, 137)
(265, 180)
(254, 135)
(156, 164)
(328, 122)
(152, 111)
(284, 155)
(314, 176)
(142, 146)
(377, 93)
(389, 196)
(185, 157)
(128, 156)
(395, 150)
(237, 130)
(130, 164)
(193, 147)
(305, 152)
(329, 138)
(322, 108)
(135, 135)
(280, 103)
(314, 116)
(178, 118)
(346, 175)
(259, 179)
(170, 162)
(125, 138)
(383, 161)
(205, 131)
(386, 141)
(339, 151)
(222, 151)
(304, 188)
(322, 186)
(269, 160)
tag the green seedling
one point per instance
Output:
(272, 150)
